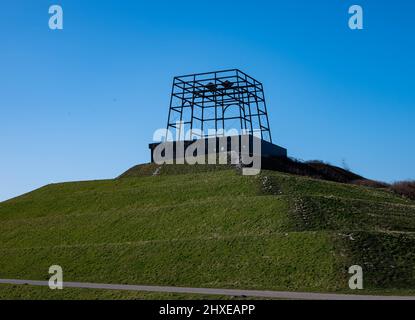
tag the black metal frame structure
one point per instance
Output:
(217, 102)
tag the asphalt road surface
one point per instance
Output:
(207, 291)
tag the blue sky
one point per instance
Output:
(83, 103)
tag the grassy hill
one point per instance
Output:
(208, 226)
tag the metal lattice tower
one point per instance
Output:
(219, 101)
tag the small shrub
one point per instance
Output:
(317, 162)
(370, 183)
(404, 188)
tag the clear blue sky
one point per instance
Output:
(83, 103)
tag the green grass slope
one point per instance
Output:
(204, 226)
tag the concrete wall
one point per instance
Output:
(216, 145)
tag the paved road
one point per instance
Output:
(219, 292)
